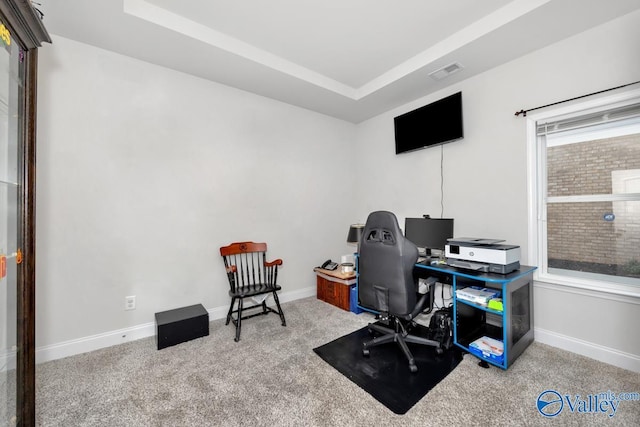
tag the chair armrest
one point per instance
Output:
(272, 263)
(419, 306)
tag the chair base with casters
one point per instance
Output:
(250, 275)
(398, 333)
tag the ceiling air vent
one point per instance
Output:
(445, 71)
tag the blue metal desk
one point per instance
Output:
(513, 326)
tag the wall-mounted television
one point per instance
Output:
(434, 124)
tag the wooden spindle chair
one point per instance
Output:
(250, 275)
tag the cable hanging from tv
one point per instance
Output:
(524, 112)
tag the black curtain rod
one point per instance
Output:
(524, 112)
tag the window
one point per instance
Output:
(584, 177)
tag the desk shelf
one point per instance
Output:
(480, 307)
(490, 331)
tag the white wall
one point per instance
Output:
(144, 172)
(485, 174)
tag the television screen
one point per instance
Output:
(433, 124)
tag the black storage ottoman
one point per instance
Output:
(180, 325)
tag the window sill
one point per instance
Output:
(616, 291)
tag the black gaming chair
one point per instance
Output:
(386, 284)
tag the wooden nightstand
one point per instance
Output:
(334, 287)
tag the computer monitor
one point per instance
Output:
(429, 234)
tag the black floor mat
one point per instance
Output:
(385, 373)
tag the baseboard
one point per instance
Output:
(94, 342)
(584, 348)
(295, 295)
(120, 336)
(8, 360)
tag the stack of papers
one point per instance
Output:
(487, 347)
(477, 295)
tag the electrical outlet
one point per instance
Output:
(130, 302)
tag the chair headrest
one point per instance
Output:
(381, 226)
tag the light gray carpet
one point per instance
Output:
(273, 378)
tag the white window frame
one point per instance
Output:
(536, 173)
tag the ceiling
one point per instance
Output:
(350, 59)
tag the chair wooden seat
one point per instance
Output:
(253, 290)
(250, 275)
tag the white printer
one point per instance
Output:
(485, 255)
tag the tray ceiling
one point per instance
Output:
(350, 59)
